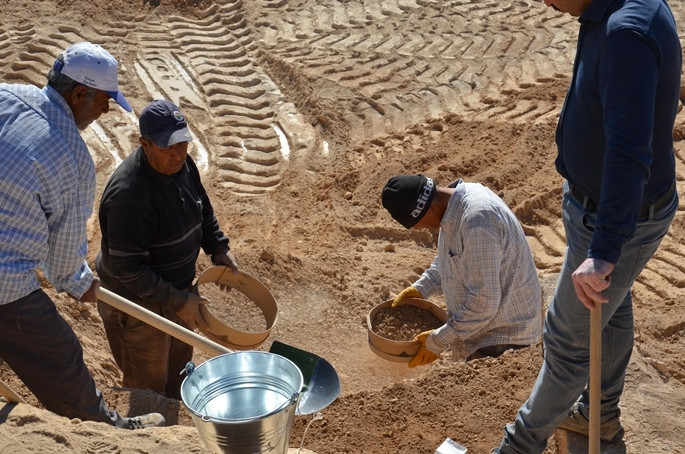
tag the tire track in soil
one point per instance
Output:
(207, 65)
(402, 74)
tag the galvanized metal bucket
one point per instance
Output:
(243, 402)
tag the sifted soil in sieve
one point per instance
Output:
(403, 322)
(234, 309)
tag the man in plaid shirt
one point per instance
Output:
(47, 189)
(484, 268)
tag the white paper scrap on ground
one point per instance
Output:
(450, 446)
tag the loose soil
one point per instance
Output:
(234, 308)
(403, 322)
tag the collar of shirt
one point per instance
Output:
(596, 11)
(59, 100)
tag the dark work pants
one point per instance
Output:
(44, 352)
(148, 357)
(493, 351)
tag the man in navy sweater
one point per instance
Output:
(615, 151)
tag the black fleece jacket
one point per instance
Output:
(153, 227)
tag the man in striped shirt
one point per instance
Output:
(155, 216)
(47, 189)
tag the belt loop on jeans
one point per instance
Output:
(586, 202)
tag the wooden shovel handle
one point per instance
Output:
(9, 394)
(183, 334)
(189, 337)
(595, 377)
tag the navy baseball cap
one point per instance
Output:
(163, 123)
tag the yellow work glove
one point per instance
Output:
(409, 292)
(428, 352)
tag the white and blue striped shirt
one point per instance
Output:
(47, 189)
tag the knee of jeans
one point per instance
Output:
(565, 348)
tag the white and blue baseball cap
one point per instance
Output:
(91, 65)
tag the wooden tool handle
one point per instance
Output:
(9, 394)
(189, 337)
(595, 377)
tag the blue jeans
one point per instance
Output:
(566, 336)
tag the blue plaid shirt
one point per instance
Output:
(486, 272)
(47, 189)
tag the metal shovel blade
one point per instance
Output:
(321, 382)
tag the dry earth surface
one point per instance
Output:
(301, 110)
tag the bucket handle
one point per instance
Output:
(294, 397)
(291, 401)
(188, 369)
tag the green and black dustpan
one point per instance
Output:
(321, 382)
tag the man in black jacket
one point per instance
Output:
(154, 217)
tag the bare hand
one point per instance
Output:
(226, 259)
(89, 295)
(190, 312)
(592, 277)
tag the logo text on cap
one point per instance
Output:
(423, 198)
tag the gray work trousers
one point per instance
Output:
(148, 357)
(44, 352)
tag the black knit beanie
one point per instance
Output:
(407, 198)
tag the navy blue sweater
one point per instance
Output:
(615, 134)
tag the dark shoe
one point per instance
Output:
(494, 451)
(575, 422)
(145, 421)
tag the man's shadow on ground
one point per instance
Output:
(6, 410)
